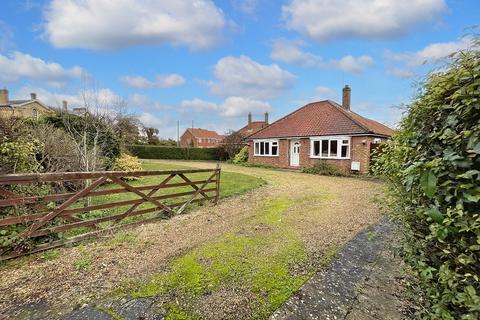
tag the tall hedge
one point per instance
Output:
(433, 165)
(162, 152)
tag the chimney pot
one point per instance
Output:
(346, 97)
(33, 95)
(3, 97)
(266, 117)
(249, 118)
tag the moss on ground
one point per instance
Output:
(259, 258)
(111, 313)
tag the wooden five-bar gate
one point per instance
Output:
(37, 223)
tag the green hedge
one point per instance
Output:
(433, 165)
(163, 152)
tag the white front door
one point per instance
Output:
(294, 153)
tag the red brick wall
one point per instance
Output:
(184, 140)
(359, 151)
(204, 144)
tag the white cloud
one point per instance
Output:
(161, 81)
(139, 101)
(246, 6)
(150, 120)
(431, 54)
(198, 105)
(329, 19)
(244, 77)
(325, 91)
(106, 24)
(289, 52)
(401, 73)
(21, 65)
(230, 107)
(354, 64)
(236, 106)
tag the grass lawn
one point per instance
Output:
(230, 184)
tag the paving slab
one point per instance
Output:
(353, 285)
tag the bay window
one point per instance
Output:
(265, 148)
(330, 147)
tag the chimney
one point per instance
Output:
(64, 105)
(3, 97)
(266, 117)
(249, 118)
(346, 97)
(33, 96)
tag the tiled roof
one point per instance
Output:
(13, 102)
(253, 127)
(203, 133)
(320, 119)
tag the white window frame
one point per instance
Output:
(340, 144)
(270, 147)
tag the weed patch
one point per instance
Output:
(122, 238)
(50, 255)
(258, 259)
(83, 262)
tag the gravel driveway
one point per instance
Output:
(329, 211)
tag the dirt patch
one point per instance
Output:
(227, 304)
(329, 213)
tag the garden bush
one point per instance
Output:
(324, 168)
(433, 166)
(241, 156)
(127, 162)
(161, 152)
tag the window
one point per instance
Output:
(316, 148)
(377, 140)
(330, 147)
(333, 148)
(265, 147)
(35, 113)
(275, 148)
(324, 151)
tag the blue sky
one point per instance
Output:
(214, 61)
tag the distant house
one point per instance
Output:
(253, 126)
(321, 130)
(29, 108)
(200, 138)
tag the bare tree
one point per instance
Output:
(234, 141)
(90, 125)
(91, 129)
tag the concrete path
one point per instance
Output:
(359, 284)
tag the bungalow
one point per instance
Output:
(200, 138)
(321, 130)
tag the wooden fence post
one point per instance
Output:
(217, 183)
